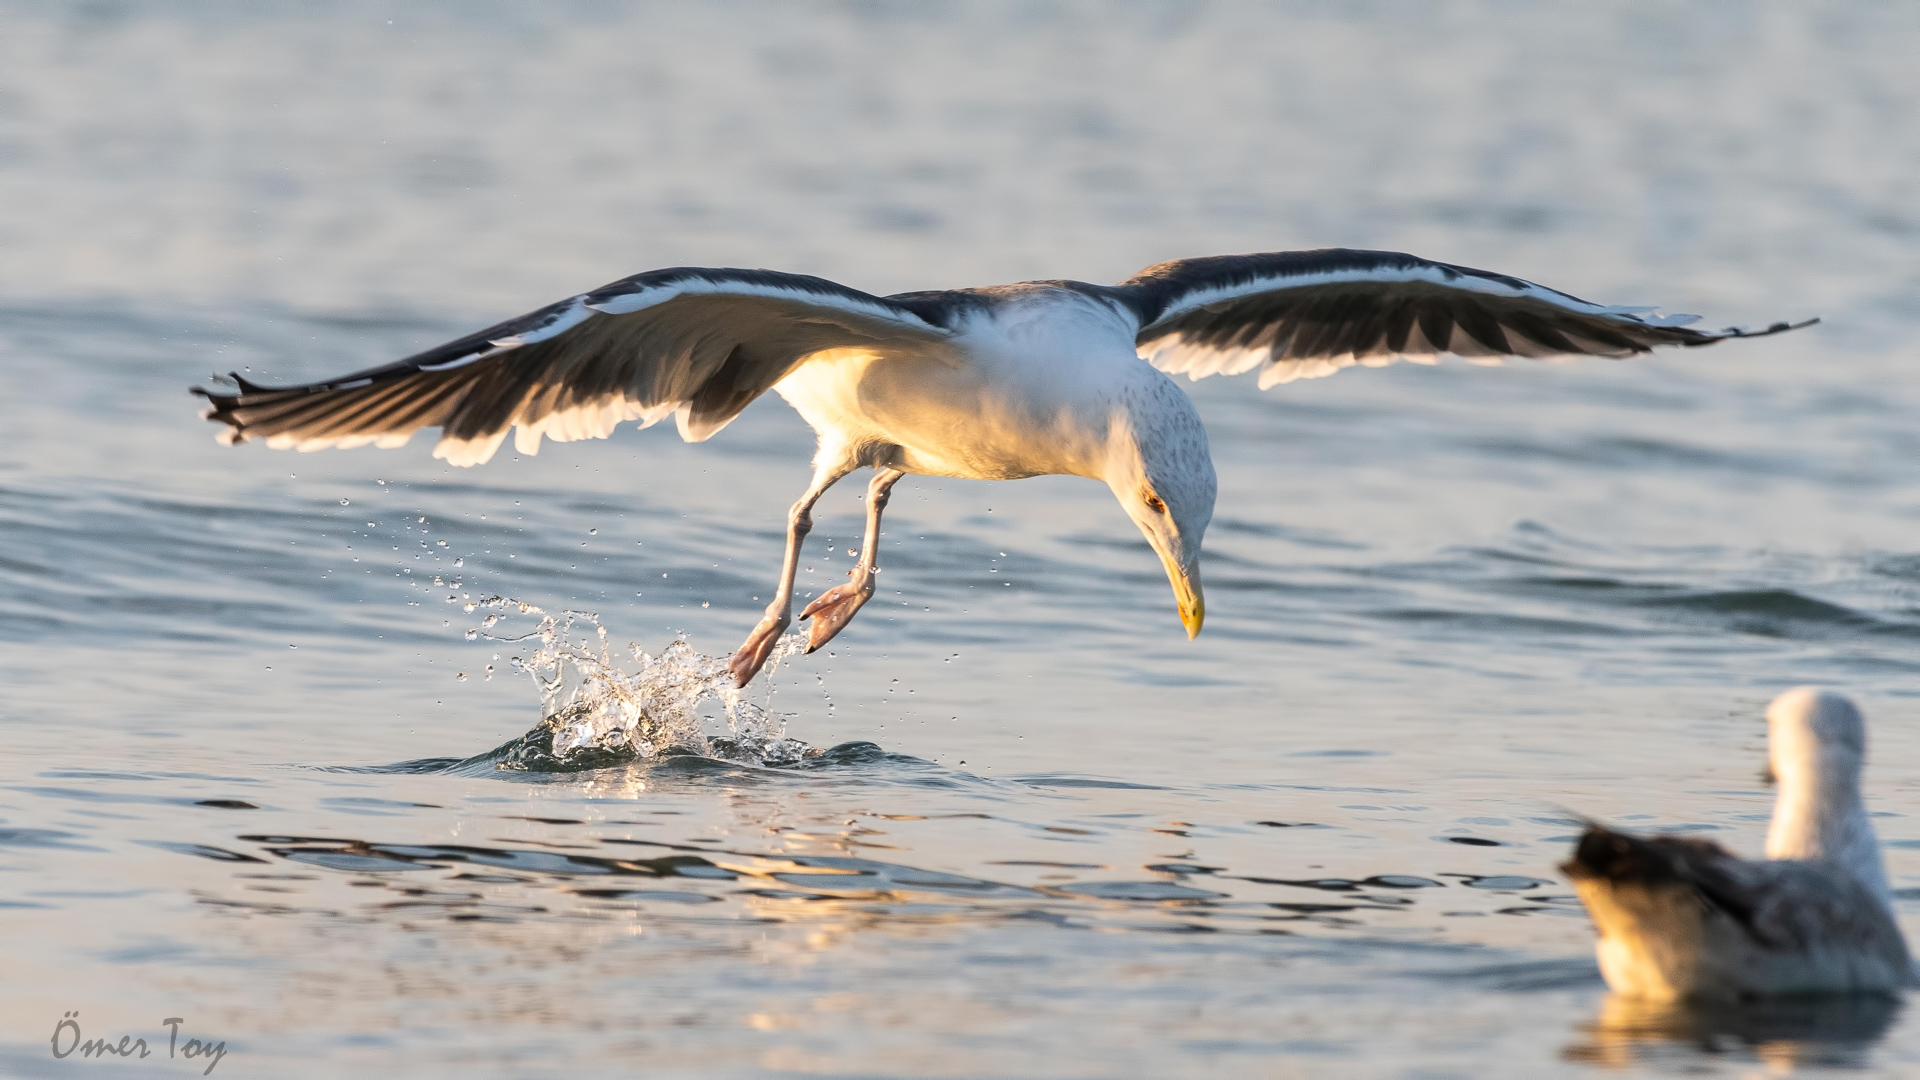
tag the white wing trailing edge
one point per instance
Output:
(1307, 314)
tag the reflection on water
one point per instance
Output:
(1785, 1033)
(841, 863)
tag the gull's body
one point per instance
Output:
(1037, 378)
(1005, 398)
(1683, 918)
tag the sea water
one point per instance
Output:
(354, 761)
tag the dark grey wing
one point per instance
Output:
(1784, 905)
(1305, 314)
(696, 343)
(1796, 904)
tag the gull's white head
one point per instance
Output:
(1816, 740)
(1159, 467)
(1816, 747)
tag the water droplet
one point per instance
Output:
(472, 634)
(343, 502)
(459, 562)
(461, 676)
(441, 543)
(593, 532)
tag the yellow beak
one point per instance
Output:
(1186, 592)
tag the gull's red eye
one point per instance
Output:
(1154, 503)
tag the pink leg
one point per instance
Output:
(833, 609)
(752, 654)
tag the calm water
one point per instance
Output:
(247, 779)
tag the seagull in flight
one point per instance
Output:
(1682, 917)
(995, 383)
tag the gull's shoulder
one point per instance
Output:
(954, 309)
(1064, 310)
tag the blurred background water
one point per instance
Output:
(1448, 607)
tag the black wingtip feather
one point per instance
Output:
(1733, 332)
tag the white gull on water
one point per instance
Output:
(996, 383)
(1681, 917)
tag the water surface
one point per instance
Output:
(252, 772)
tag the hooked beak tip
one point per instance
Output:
(1193, 604)
(1186, 593)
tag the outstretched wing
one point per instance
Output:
(696, 343)
(1305, 314)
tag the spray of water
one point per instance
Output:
(596, 714)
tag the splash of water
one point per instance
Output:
(595, 714)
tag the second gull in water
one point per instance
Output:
(1681, 917)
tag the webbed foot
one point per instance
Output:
(832, 610)
(752, 654)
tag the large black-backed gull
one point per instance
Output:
(995, 383)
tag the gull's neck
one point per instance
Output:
(1819, 813)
